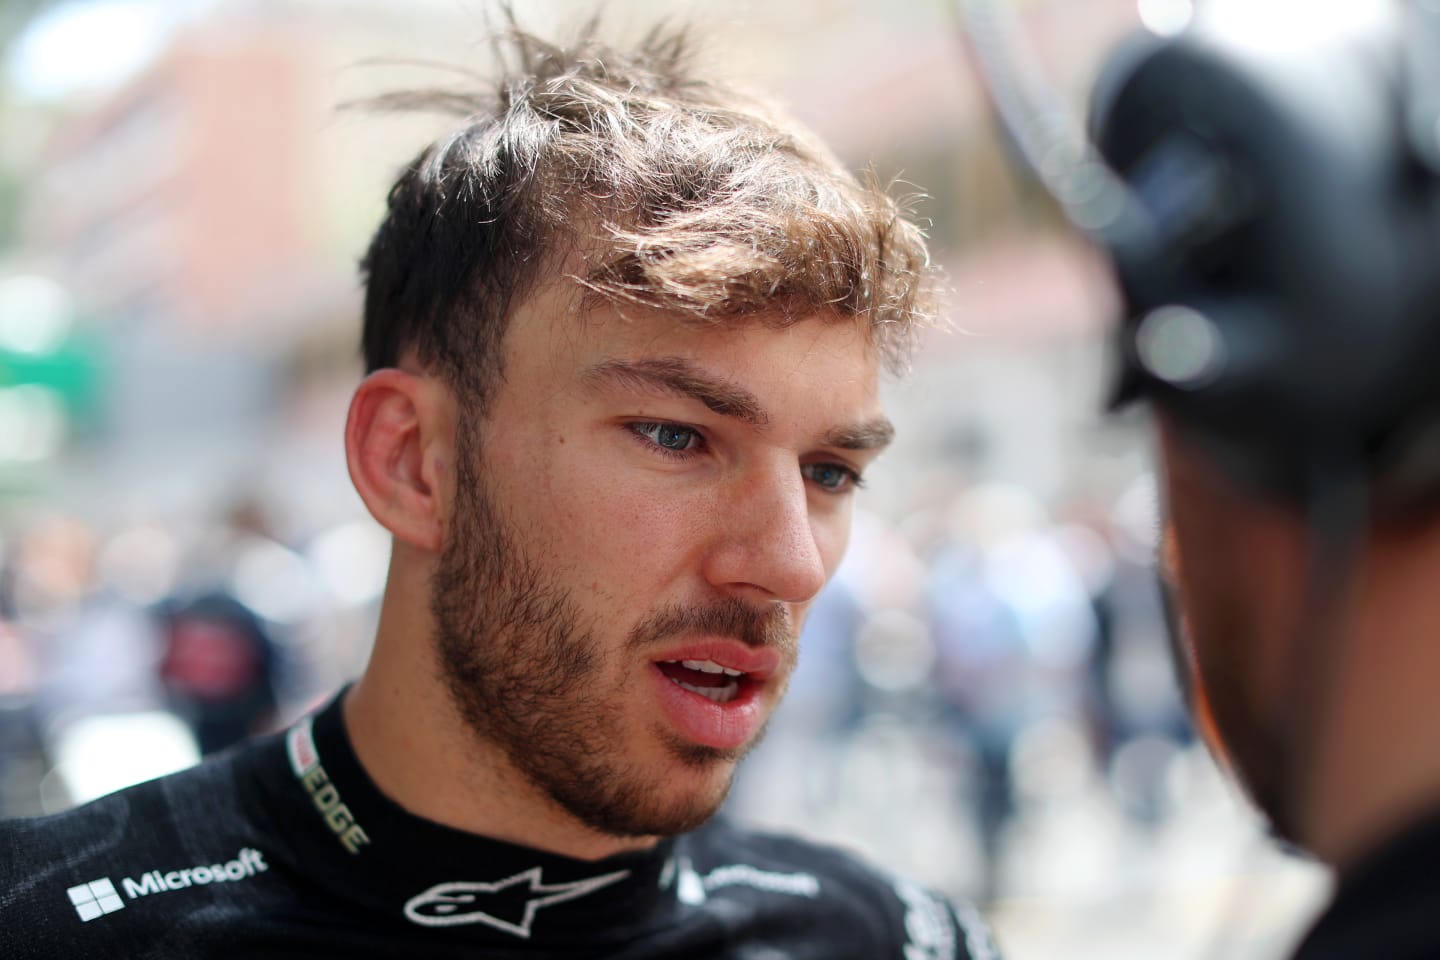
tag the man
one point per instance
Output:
(624, 330)
(1282, 320)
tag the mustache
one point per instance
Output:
(755, 627)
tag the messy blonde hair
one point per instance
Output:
(685, 195)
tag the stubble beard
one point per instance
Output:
(520, 665)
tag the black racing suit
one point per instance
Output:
(283, 847)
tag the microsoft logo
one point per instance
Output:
(99, 897)
(95, 899)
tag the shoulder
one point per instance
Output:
(59, 873)
(842, 889)
(156, 813)
(93, 832)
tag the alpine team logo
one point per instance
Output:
(95, 899)
(509, 905)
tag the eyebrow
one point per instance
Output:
(871, 435)
(680, 377)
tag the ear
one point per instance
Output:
(399, 440)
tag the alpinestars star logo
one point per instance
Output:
(509, 905)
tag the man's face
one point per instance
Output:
(1234, 563)
(640, 523)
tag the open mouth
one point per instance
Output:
(705, 677)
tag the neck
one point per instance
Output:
(1379, 769)
(421, 753)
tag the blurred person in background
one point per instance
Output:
(1138, 718)
(218, 668)
(98, 651)
(220, 663)
(1014, 630)
(625, 329)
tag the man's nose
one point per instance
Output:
(766, 546)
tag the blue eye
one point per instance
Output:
(668, 436)
(832, 477)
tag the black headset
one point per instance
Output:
(1281, 279)
(1272, 213)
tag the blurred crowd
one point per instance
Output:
(129, 653)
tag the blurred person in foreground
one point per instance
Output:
(625, 329)
(1282, 320)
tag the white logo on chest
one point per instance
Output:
(509, 905)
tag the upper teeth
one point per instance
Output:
(708, 666)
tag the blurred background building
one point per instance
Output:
(984, 699)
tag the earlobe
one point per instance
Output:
(394, 422)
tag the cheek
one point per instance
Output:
(613, 527)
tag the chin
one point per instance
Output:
(664, 795)
(691, 796)
(670, 812)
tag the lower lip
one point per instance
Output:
(723, 726)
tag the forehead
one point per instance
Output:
(556, 337)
